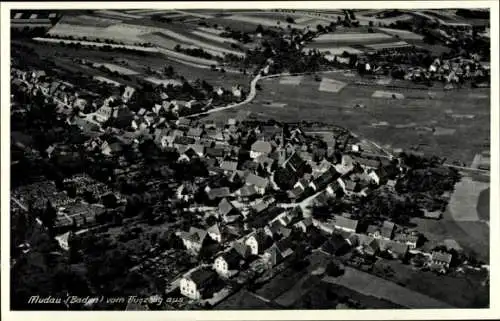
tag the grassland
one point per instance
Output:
(371, 285)
(306, 102)
(137, 63)
(461, 291)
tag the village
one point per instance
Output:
(133, 189)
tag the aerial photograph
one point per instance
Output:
(246, 159)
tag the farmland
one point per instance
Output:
(432, 108)
(137, 63)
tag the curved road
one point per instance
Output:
(253, 90)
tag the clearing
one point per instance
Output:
(331, 85)
(291, 80)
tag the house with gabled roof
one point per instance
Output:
(345, 224)
(440, 261)
(197, 282)
(348, 186)
(193, 239)
(195, 132)
(228, 166)
(258, 241)
(214, 233)
(324, 179)
(228, 263)
(259, 148)
(412, 240)
(260, 183)
(218, 193)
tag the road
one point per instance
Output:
(253, 90)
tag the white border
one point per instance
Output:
(492, 313)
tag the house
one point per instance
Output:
(395, 249)
(346, 165)
(195, 133)
(286, 247)
(198, 149)
(258, 242)
(193, 240)
(228, 263)
(214, 233)
(304, 224)
(324, 179)
(384, 232)
(265, 162)
(273, 255)
(371, 248)
(295, 164)
(63, 240)
(227, 209)
(440, 261)
(345, 224)
(246, 192)
(215, 152)
(194, 285)
(366, 163)
(348, 186)
(260, 183)
(228, 166)
(183, 122)
(259, 148)
(216, 193)
(412, 240)
(242, 249)
(182, 141)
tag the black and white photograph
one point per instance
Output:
(183, 159)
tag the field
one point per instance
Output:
(464, 200)
(331, 85)
(371, 285)
(119, 69)
(339, 50)
(402, 34)
(137, 63)
(387, 95)
(465, 220)
(420, 108)
(352, 37)
(291, 80)
(461, 291)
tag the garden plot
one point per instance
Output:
(464, 200)
(331, 85)
(403, 34)
(119, 69)
(387, 95)
(291, 80)
(440, 131)
(213, 37)
(352, 37)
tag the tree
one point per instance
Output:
(259, 29)
(290, 19)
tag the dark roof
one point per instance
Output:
(232, 257)
(441, 257)
(215, 152)
(241, 248)
(225, 207)
(366, 161)
(295, 162)
(183, 140)
(202, 276)
(327, 177)
(395, 247)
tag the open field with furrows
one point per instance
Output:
(140, 63)
(402, 34)
(423, 119)
(465, 220)
(143, 30)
